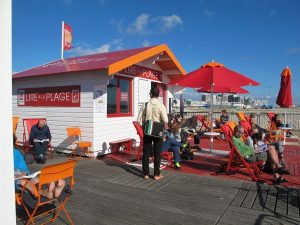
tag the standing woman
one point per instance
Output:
(153, 110)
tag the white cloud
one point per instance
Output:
(146, 43)
(170, 22)
(68, 2)
(208, 13)
(139, 25)
(85, 50)
(295, 50)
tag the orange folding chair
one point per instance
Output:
(166, 155)
(241, 116)
(28, 123)
(270, 117)
(75, 142)
(36, 205)
(235, 156)
(203, 124)
(15, 123)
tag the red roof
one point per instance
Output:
(81, 63)
(112, 61)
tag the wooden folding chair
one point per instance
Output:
(204, 125)
(241, 116)
(166, 155)
(15, 123)
(247, 127)
(75, 142)
(235, 155)
(40, 205)
(28, 123)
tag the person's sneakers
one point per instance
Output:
(177, 166)
(158, 177)
(146, 177)
(41, 159)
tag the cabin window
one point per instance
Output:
(119, 97)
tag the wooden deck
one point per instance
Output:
(114, 194)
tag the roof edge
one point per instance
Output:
(122, 64)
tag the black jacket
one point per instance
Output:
(39, 133)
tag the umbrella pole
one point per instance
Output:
(211, 117)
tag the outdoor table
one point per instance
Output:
(211, 135)
(284, 129)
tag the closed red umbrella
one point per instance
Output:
(213, 73)
(284, 98)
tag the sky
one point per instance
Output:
(257, 38)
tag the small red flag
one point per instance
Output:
(67, 37)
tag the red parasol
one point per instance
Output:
(213, 73)
(221, 89)
(284, 98)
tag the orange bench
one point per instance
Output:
(125, 144)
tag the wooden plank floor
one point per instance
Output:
(116, 194)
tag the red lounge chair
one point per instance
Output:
(270, 117)
(28, 123)
(252, 168)
(36, 205)
(247, 127)
(166, 155)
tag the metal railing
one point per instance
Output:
(292, 118)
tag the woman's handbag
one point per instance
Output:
(152, 128)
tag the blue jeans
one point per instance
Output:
(173, 146)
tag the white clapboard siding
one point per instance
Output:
(59, 118)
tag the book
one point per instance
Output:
(43, 140)
(30, 176)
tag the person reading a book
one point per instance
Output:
(251, 154)
(40, 137)
(21, 174)
(255, 128)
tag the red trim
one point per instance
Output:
(118, 95)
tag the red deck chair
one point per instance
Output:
(252, 168)
(270, 117)
(247, 127)
(28, 123)
(36, 205)
(166, 155)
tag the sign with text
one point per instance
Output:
(62, 96)
(144, 72)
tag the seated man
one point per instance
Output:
(253, 155)
(172, 142)
(223, 118)
(40, 137)
(257, 129)
(20, 169)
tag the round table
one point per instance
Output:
(211, 135)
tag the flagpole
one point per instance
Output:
(62, 39)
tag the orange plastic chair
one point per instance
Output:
(75, 142)
(166, 155)
(241, 116)
(28, 123)
(235, 155)
(51, 173)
